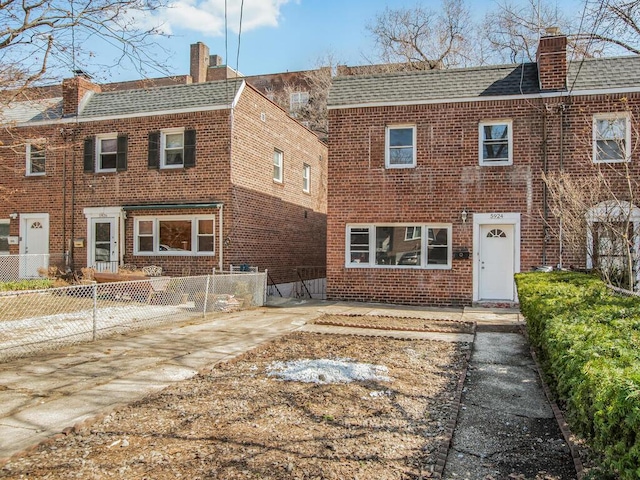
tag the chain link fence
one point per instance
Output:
(16, 267)
(37, 320)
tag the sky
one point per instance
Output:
(277, 35)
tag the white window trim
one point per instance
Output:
(298, 100)
(424, 246)
(156, 236)
(5, 222)
(387, 157)
(98, 153)
(489, 163)
(306, 178)
(28, 171)
(627, 135)
(163, 144)
(280, 178)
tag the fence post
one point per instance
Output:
(95, 309)
(266, 285)
(206, 297)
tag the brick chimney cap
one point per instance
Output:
(552, 31)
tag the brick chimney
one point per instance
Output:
(74, 91)
(199, 62)
(552, 60)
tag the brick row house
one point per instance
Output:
(435, 191)
(187, 177)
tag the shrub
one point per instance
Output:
(589, 344)
(37, 284)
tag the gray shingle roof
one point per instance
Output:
(157, 99)
(32, 110)
(492, 81)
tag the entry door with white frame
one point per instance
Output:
(34, 243)
(497, 256)
(103, 251)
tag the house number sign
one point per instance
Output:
(496, 216)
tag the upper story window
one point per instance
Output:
(35, 158)
(611, 137)
(277, 165)
(306, 178)
(4, 236)
(399, 246)
(496, 143)
(400, 148)
(298, 100)
(174, 235)
(105, 153)
(172, 148)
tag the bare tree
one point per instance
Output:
(425, 39)
(595, 214)
(513, 29)
(611, 27)
(43, 40)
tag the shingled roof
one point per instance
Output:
(466, 83)
(161, 99)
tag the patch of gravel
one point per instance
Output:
(396, 323)
(238, 422)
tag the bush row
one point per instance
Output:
(37, 284)
(588, 340)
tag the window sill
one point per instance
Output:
(31, 175)
(496, 164)
(173, 254)
(398, 267)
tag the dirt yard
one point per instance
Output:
(308, 406)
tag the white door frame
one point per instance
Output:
(105, 213)
(498, 218)
(24, 219)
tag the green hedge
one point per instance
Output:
(588, 340)
(38, 284)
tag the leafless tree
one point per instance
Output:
(425, 39)
(595, 214)
(611, 27)
(513, 28)
(43, 40)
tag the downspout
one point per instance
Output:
(545, 203)
(220, 236)
(65, 248)
(560, 227)
(73, 206)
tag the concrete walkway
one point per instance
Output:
(48, 394)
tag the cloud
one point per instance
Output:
(207, 16)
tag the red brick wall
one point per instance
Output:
(447, 180)
(277, 225)
(299, 218)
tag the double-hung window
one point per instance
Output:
(174, 235)
(172, 148)
(306, 178)
(611, 138)
(426, 246)
(400, 146)
(277, 165)
(35, 158)
(496, 143)
(106, 153)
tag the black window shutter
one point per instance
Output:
(189, 148)
(89, 154)
(154, 150)
(121, 158)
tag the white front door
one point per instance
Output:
(34, 244)
(103, 251)
(496, 262)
